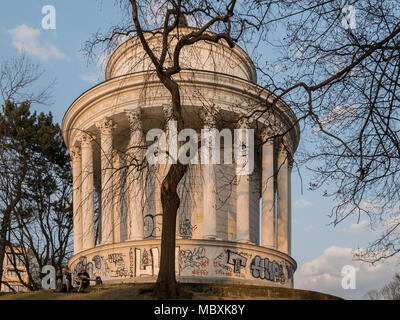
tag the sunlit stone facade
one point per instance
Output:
(231, 228)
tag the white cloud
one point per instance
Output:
(302, 203)
(362, 226)
(89, 78)
(337, 116)
(27, 39)
(323, 274)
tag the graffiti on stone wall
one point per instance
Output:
(186, 228)
(190, 261)
(112, 265)
(194, 260)
(97, 262)
(116, 265)
(268, 270)
(151, 227)
(237, 260)
(87, 266)
(289, 270)
(131, 263)
(146, 263)
(220, 265)
(230, 263)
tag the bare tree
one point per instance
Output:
(167, 64)
(42, 224)
(390, 291)
(18, 75)
(341, 81)
(342, 78)
(35, 214)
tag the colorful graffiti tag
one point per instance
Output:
(191, 261)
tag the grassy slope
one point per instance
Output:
(192, 291)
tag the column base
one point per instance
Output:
(269, 246)
(247, 241)
(212, 237)
(135, 239)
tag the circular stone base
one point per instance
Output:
(197, 261)
(232, 291)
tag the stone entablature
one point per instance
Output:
(113, 97)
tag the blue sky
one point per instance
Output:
(320, 249)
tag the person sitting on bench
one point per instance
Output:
(64, 281)
(83, 279)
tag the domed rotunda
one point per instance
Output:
(231, 228)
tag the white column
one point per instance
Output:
(117, 196)
(268, 222)
(106, 127)
(76, 164)
(87, 192)
(161, 170)
(283, 232)
(209, 180)
(135, 177)
(243, 186)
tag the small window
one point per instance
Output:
(19, 260)
(11, 273)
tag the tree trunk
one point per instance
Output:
(5, 223)
(166, 286)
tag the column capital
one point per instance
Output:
(115, 153)
(285, 151)
(105, 125)
(283, 145)
(75, 153)
(87, 139)
(267, 133)
(135, 118)
(244, 123)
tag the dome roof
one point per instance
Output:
(130, 57)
